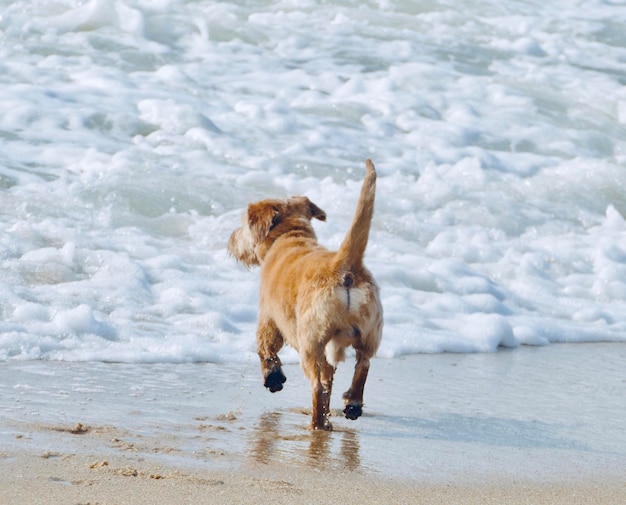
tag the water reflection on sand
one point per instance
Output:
(272, 441)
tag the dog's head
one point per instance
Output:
(265, 221)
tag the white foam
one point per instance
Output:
(134, 133)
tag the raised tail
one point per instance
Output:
(353, 246)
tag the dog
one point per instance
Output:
(319, 302)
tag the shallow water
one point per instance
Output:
(542, 414)
(133, 133)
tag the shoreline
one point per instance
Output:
(532, 425)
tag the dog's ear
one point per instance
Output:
(316, 212)
(307, 207)
(261, 218)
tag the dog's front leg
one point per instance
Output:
(269, 342)
(353, 398)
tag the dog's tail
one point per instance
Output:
(353, 246)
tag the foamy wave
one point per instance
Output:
(134, 133)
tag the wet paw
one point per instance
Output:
(325, 426)
(353, 411)
(275, 380)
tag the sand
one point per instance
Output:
(53, 479)
(530, 425)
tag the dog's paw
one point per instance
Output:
(275, 380)
(353, 411)
(326, 425)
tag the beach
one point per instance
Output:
(533, 425)
(135, 133)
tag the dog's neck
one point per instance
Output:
(303, 232)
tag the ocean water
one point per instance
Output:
(134, 132)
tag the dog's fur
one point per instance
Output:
(318, 301)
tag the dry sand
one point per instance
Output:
(56, 479)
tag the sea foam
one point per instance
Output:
(134, 133)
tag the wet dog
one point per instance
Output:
(319, 302)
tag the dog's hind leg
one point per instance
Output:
(353, 398)
(327, 372)
(269, 342)
(320, 373)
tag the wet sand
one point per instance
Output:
(531, 425)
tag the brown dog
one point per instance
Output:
(318, 301)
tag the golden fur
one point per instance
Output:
(318, 301)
